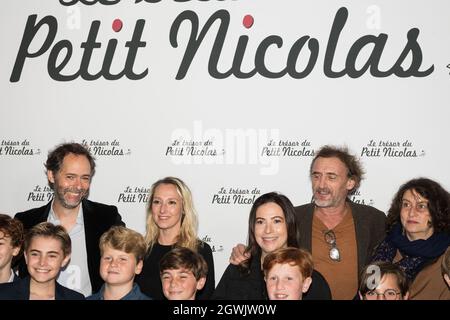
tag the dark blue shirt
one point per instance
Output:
(134, 294)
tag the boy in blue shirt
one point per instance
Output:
(122, 252)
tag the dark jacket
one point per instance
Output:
(20, 290)
(98, 218)
(234, 285)
(369, 223)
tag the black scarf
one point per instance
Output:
(416, 254)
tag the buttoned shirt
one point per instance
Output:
(75, 275)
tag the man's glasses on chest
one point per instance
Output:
(330, 238)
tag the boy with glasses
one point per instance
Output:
(383, 281)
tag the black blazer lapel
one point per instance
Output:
(32, 217)
(22, 289)
(362, 234)
(304, 215)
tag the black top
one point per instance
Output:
(234, 285)
(149, 279)
(98, 218)
(20, 290)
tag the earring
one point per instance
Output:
(430, 224)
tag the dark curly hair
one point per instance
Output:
(438, 203)
(13, 229)
(56, 157)
(351, 162)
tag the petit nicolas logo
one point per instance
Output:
(356, 197)
(40, 194)
(99, 147)
(391, 149)
(60, 51)
(134, 195)
(235, 195)
(185, 147)
(11, 147)
(288, 148)
(214, 246)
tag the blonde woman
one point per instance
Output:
(171, 222)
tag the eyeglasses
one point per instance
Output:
(389, 294)
(420, 207)
(330, 238)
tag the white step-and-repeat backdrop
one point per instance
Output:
(232, 96)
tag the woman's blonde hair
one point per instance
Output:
(188, 232)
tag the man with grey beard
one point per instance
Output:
(70, 168)
(340, 234)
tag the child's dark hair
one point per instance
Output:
(184, 258)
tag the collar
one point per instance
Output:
(52, 217)
(134, 293)
(11, 278)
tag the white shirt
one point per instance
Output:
(75, 275)
(11, 277)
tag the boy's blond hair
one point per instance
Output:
(49, 230)
(124, 239)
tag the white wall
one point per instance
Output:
(234, 117)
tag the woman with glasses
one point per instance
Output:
(418, 225)
(271, 226)
(383, 281)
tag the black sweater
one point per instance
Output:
(234, 285)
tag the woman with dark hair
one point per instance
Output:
(271, 226)
(418, 233)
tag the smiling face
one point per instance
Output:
(415, 216)
(270, 228)
(167, 207)
(7, 251)
(285, 282)
(330, 182)
(180, 284)
(118, 267)
(45, 258)
(71, 183)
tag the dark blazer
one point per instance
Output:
(16, 278)
(98, 218)
(370, 226)
(20, 290)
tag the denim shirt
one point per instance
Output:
(134, 294)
